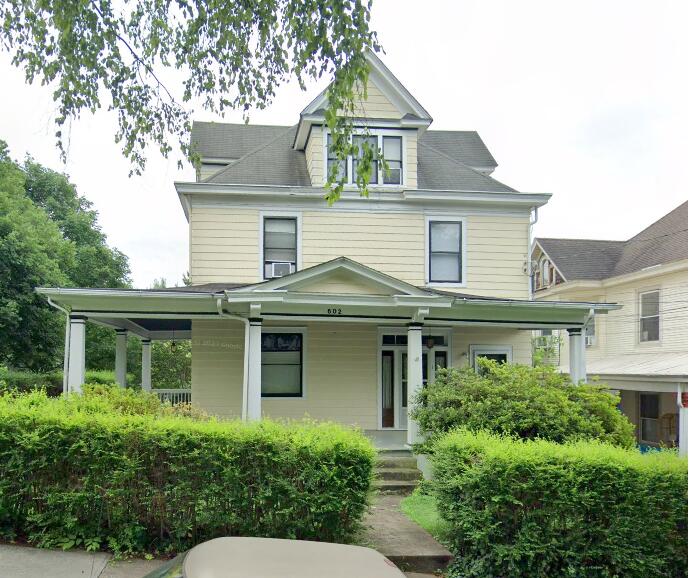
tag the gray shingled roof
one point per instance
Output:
(263, 155)
(589, 259)
(464, 146)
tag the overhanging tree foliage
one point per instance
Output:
(229, 55)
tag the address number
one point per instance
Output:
(334, 311)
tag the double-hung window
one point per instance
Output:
(281, 359)
(333, 160)
(445, 251)
(362, 142)
(649, 316)
(392, 154)
(279, 246)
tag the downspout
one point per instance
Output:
(246, 346)
(533, 221)
(66, 354)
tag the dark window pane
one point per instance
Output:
(650, 329)
(650, 406)
(334, 161)
(360, 142)
(650, 303)
(281, 364)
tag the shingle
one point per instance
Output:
(588, 259)
(273, 163)
(464, 146)
(221, 140)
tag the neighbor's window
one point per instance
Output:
(392, 153)
(649, 318)
(649, 412)
(333, 160)
(445, 252)
(372, 143)
(281, 361)
(279, 246)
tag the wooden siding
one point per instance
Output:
(617, 332)
(225, 246)
(315, 156)
(341, 368)
(376, 104)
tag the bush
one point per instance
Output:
(535, 508)
(107, 470)
(52, 382)
(522, 401)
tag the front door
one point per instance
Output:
(394, 400)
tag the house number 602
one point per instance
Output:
(334, 311)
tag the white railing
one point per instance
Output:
(173, 396)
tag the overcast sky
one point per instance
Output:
(586, 100)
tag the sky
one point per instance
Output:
(586, 100)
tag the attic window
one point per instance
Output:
(378, 140)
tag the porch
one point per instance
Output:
(355, 352)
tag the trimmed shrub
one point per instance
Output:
(535, 508)
(101, 472)
(518, 400)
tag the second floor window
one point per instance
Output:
(649, 316)
(392, 148)
(279, 246)
(445, 252)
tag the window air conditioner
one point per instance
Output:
(280, 269)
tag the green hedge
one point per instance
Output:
(77, 472)
(536, 508)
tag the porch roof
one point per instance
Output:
(373, 297)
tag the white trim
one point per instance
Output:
(304, 348)
(298, 215)
(382, 330)
(476, 350)
(428, 219)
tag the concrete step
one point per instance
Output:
(395, 454)
(398, 474)
(396, 462)
(401, 487)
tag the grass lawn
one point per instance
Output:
(421, 509)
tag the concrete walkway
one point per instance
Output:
(401, 540)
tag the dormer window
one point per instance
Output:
(385, 140)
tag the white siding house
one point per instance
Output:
(340, 312)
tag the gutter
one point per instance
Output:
(246, 347)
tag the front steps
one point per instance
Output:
(396, 472)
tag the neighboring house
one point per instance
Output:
(642, 349)
(339, 313)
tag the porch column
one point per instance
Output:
(121, 356)
(683, 406)
(414, 377)
(254, 409)
(147, 364)
(75, 370)
(577, 354)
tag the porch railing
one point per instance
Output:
(173, 396)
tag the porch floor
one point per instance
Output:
(388, 439)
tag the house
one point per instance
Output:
(338, 312)
(641, 351)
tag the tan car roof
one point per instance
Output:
(273, 558)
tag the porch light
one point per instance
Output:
(430, 342)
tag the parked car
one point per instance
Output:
(274, 558)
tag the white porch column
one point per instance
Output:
(147, 364)
(577, 355)
(121, 356)
(683, 406)
(414, 377)
(75, 370)
(254, 409)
